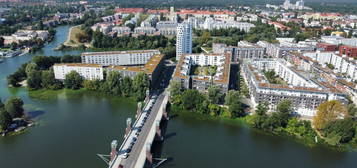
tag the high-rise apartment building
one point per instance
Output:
(183, 40)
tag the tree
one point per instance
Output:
(49, 81)
(34, 80)
(341, 130)
(140, 85)
(191, 99)
(214, 109)
(327, 112)
(232, 97)
(262, 109)
(93, 85)
(126, 86)
(352, 110)
(1, 104)
(31, 67)
(236, 110)
(175, 92)
(260, 115)
(73, 80)
(206, 36)
(214, 94)
(14, 107)
(2, 42)
(284, 110)
(112, 83)
(5, 119)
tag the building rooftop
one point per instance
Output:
(148, 68)
(117, 52)
(222, 77)
(79, 65)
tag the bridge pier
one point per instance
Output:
(138, 111)
(149, 154)
(114, 152)
(159, 136)
(128, 127)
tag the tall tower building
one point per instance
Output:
(183, 40)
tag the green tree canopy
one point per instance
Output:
(141, 84)
(232, 97)
(5, 119)
(126, 86)
(214, 94)
(31, 67)
(113, 82)
(14, 107)
(73, 80)
(34, 80)
(191, 99)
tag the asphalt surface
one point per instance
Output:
(140, 144)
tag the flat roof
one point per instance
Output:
(117, 52)
(324, 87)
(148, 68)
(224, 77)
(79, 65)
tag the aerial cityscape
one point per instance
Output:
(178, 83)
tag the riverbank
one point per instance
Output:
(246, 122)
(72, 41)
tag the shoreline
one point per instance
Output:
(67, 44)
(243, 122)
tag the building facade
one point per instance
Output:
(87, 71)
(183, 40)
(134, 57)
(306, 94)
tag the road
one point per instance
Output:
(140, 144)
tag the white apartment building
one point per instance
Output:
(201, 82)
(87, 71)
(282, 49)
(134, 57)
(339, 40)
(121, 30)
(343, 65)
(166, 24)
(144, 30)
(246, 50)
(211, 24)
(183, 40)
(168, 31)
(306, 94)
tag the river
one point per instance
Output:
(73, 127)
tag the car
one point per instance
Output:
(125, 155)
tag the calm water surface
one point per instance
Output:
(73, 128)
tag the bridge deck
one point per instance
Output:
(139, 144)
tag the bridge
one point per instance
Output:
(135, 151)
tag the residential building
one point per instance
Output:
(246, 50)
(282, 49)
(152, 68)
(134, 57)
(326, 47)
(183, 40)
(144, 30)
(121, 30)
(349, 51)
(201, 80)
(87, 71)
(347, 67)
(305, 93)
(211, 23)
